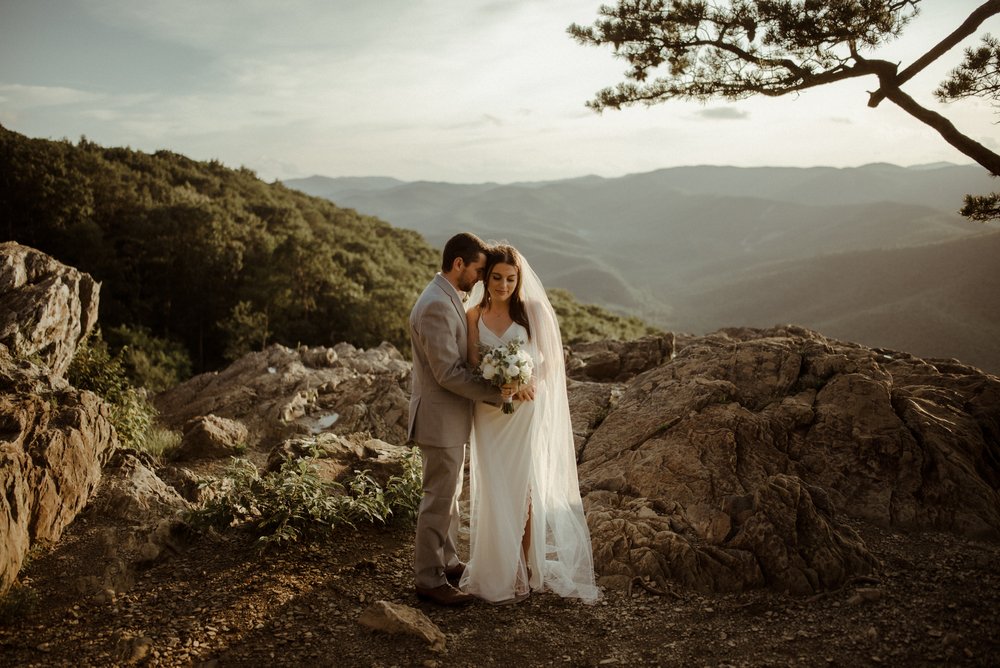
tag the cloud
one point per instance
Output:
(219, 26)
(26, 97)
(724, 113)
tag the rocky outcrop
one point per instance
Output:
(618, 360)
(53, 438)
(53, 441)
(589, 404)
(48, 308)
(732, 465)
(724, 462)
(281, 393)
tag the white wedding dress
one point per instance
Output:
(526, 462)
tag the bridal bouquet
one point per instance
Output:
(506, 364)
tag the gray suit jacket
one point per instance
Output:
(444, 389)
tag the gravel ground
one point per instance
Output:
(219, 602)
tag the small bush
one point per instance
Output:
(286, 505)
(245, 330)
(406, 489)
(161, 442)
(151, 362)
(17, 603)
(93, 368)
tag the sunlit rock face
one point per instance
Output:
(54, 438)
(734, 464)
(48, 307)
(280, 393)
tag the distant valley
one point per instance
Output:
(874, 254)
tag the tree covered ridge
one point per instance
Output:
(209, 256)
(220, 262)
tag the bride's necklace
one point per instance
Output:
(496, 321)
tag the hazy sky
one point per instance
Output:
(448, 90)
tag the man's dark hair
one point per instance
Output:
(463, 245)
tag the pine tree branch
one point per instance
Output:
(969, 26)
(947, 130)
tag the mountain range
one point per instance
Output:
(874, 254)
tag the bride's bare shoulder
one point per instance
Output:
(473, 315)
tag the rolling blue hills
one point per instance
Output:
(875, 254)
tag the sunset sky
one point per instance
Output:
(442, 90)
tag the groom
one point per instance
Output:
(444, 391)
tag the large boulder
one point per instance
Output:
(282, 393)
(54, 440)
(132, 491)
(211, 437)
(618, 360)
(729, 466)
(48, 308)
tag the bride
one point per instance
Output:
(528, 530)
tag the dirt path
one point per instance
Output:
(218, 602)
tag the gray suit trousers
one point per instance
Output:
(438, 519)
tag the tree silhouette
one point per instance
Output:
(694, 49)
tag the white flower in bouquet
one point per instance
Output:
(506, 364)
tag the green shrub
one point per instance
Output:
(294, 502)
(93, 368)
(579, 323)
(17, 603)
(151, 362)
(406, 489)
(246, 330)
(368, 502)
(162, 442)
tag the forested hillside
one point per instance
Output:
(209, 256)
(198, 257)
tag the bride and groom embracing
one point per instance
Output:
(527, 528)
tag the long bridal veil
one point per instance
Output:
(556, 506)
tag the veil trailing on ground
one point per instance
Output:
(559, 528)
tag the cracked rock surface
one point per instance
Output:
(732, 465)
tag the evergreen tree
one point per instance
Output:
(734, 49)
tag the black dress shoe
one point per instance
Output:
(444, 595)
(454, 573)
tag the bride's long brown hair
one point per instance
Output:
(506, 254)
